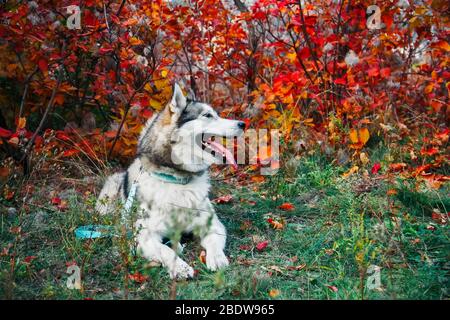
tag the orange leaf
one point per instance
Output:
(275, 224)
(359, 137)
(273, 293)
(137, 277)
(287, 206)
(442, 45)
(350, 172)
(21, 123)
(397, 166)
(59, 99)
(258, 178)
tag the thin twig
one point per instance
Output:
(30, 143)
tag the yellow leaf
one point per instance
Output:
(164, 73)
(148, 87)
(364, 159)
(292, 56)
(155, 104)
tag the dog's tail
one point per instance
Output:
(110, 193)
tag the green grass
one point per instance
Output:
(339, 228)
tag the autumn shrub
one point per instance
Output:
(317, 71)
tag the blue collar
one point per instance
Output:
(171, 178)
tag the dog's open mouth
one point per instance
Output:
(219, 150)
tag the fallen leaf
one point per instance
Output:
(137, 277)
(245, 247)
(333, 288)
(223, 199)
(376, 167)
(298, 268)
(15, 230)
(287, 206)
(202, 256)
(397, 166)
(276, 268)
(439, 217)
(29, 259)
(350, 172)
(364, 158)
(258, 178)
(275, 224)
(245, 225)
(391, 192)
(9, 195)
(63, 205)
(262, 245)
(273, 293)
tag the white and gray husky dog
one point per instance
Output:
(170, 173)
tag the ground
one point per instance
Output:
(334, 230)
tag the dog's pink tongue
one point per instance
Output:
(222, 150)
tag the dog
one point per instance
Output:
(170, 172)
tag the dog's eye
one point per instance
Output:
(208, 115)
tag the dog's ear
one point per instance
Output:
(178, 101)
(191, 95)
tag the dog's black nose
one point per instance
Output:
(241, 125)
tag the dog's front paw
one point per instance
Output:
(181, 270)
(216, 260)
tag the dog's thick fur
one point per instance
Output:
(166, 206)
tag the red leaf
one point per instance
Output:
(429, 152)
(333, 288)
(43, 65)
(376, 167)
(71, 152)
(56, 201)
(304, 53)
(29, 259)
(340, 81)
(287, 206)
(440, 218)
(385, 72)
(62, 136)
(137, 277)
(105, 50)
(262, 245)
(5, 133)
(245, 247)
(373, 72)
